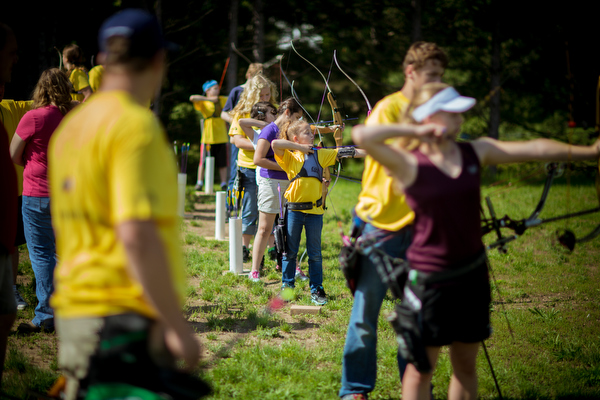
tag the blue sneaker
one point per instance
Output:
(319, 297)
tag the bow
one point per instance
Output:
(294, 95)
(567, 238)
(337, 120)
(355, 84)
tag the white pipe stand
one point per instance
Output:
(181, 182)
(220, 216)
(209, 175)
(235, 246)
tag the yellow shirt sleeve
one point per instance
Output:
(245, 157)
(378, 202)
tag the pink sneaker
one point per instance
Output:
(300, 275)
(254, 276)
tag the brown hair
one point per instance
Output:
(419, 52)
(260, 110)
(118, 52)
(74, 55)
(289, 104)
(53, 87)
(291, 129)
(253, 70)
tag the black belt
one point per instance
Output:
(306, 205)
(428, 278)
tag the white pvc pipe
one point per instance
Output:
(209, 175)
(181, 181)
(220, 216)
(235, 246)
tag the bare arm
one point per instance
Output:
(247, 123)
(147, 262)
(17, 146)
(260, 159)
(87, 92)
(241, 142)
(225, 116)
(197, 97)
(492, 152)
(399, 162)
(281, 145)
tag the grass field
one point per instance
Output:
(547, 297)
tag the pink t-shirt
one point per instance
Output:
(36, 128)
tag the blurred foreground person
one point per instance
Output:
(119, 283)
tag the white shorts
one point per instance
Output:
(268, 195)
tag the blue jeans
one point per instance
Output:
(313, 225)
(359, 365)
(233, 155)
(249, 202)
(42, 252)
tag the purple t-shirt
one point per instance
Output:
(270, 133)
(36, 128)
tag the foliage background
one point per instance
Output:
(549, 72)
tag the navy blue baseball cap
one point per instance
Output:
(140, 27)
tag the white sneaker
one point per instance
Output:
(21, 304)
(254, 276)
(300, 275)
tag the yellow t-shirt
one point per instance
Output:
(215, 130)
(245, 157)
(95, 77)
(305, 189)
(378, 203)
(80, 81)
(11, 113)
(109, 162)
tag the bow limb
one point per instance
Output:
(291, 85)
(352, 80)
(567, 238)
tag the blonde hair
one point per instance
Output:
(422, 96)
(291, 129)
(251, 94)
(253, 70)
(53, 87)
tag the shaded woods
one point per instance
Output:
(531, 69)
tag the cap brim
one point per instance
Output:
(458, 105)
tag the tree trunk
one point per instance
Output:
(233, 57)
(157, 96)
(495, 80)
(416, 26)
(258, 18)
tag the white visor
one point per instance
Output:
(447, 100)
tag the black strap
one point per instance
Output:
(306, 205)
(424, 278)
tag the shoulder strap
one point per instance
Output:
(311, 167)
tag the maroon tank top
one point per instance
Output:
(447, 226)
